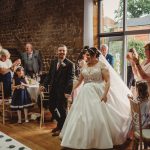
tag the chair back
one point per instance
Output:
(136, 117)
(46, 93)
(1, 91)
(44, 97)
(2, 101)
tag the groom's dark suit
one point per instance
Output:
(61, 81)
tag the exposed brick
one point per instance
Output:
(45, 23)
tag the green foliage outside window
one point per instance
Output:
(138, 45)
(135, 9)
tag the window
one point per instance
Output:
(115, 45)
(108, 17)
(122, 24)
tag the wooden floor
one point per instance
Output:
(32, 136)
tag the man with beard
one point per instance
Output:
(60, 78)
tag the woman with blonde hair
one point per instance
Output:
(6, 67)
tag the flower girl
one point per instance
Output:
(21, 98)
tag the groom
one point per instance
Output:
(60, 78)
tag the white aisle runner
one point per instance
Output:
(8, 143)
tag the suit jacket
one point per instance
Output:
(61, 80)
(110, 59)
(37, 61)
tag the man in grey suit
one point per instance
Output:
(32, 61)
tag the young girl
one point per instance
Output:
(21, 98)
(143, 97)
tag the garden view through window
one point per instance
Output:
(122, 25)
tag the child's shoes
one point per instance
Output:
(26, 121)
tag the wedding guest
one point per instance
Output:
(60, 78)
(32, 61)
(130, 75)
(81, 62)
(6, 67)
(141, 70)
(143, 97)
(1, 48)
(21, 98)
(109, 57)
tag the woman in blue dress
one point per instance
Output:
(21, 98)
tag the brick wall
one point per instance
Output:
(45, 23)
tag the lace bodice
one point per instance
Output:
(93, 74)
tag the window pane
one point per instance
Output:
(111, 15)
(138, 14)
(138, 42)
(115, 48)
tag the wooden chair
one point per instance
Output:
(2, 100)
(44, 97)
(140, 136)
(4, 104)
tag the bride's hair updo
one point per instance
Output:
(94, 51)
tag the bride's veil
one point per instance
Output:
(117, 86)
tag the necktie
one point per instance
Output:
(58, 64)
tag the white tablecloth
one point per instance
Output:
(33, 91)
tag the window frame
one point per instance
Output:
(124, 33)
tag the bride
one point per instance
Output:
(100, 114)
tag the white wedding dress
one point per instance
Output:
(92, 123)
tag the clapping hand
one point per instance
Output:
(17, 62)
(133, 56)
